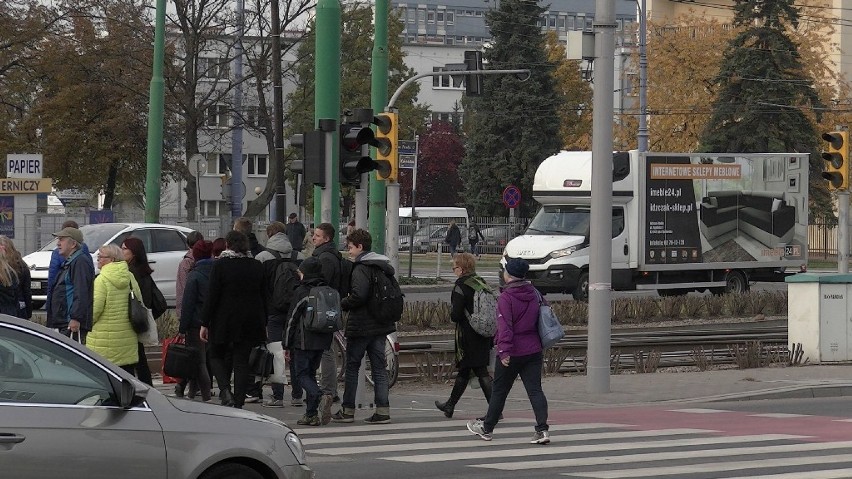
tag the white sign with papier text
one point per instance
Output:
(24, 166)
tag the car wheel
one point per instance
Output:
(581, 292)
(231, 470)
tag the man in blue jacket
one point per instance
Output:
(72, 296)
(56, 261)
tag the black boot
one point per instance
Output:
(446, 407)
(227, 399)
(458, 389)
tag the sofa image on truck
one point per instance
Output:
(762, 215)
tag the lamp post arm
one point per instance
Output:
(413, 79)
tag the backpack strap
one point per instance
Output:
(277, 254)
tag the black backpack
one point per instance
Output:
(343, 279)
(322, 312)
(386, 298)
(284, 282)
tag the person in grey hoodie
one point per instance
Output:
(519, 352)
(364, 332)
(278, 251)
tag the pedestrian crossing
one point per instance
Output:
(586, 450)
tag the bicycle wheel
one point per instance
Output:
(392, 365)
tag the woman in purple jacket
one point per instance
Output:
(519, 352)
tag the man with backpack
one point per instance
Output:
(314, 317)
(279, 279)
(336, 271)
(374, 304)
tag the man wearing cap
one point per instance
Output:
(295, 232)
(519, 352)
(56, 261)
(72, 297)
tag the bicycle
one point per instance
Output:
(338, 345)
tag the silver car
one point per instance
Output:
(66, 412)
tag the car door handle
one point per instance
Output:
(11, 438)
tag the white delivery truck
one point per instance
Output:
(680, 221)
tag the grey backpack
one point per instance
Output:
(323, 313)
(483, 319)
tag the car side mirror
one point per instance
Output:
(128, 394)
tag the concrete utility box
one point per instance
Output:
(820, 316)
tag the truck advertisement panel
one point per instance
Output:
(712, 208)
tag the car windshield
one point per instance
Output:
(561, 220)
(94, 236)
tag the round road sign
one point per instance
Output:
(511, 196)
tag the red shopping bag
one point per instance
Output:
(166, 343)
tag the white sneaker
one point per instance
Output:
(540, 437)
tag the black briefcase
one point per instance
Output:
(261, 361)
(181, 361)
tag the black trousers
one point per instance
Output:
(232, 358)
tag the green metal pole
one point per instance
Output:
(327, 100)
(379, 98)
(155, 119)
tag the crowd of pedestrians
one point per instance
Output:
(234, 295)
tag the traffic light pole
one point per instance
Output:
(843, 226)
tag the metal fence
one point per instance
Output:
(823, 241)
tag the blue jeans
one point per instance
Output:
(374, 347)
(529, 368)
(306, 364)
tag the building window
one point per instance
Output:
(477, 13)
(442, 81)
(449, 18)
(440, 17)
(450, 41)
(250, 117)
(217, 163)
(212, 68)
(569, 22)
(411, 14)
(256, 164)
(551, 22)
(217, 116)
(560, 23)
(430, 17)
(421, 16)
(212, 208)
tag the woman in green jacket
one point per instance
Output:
(112, 336)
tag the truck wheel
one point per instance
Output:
(581, 292)
(735, 282)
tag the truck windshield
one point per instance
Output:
(561, 220)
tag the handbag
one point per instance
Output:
(261, 361)
(138, 313)
(179, 360)
(550, 330)
(150, 336)
(279, 369)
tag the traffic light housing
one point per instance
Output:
(473, 83)
(312, 167)
(387, 139)
(836, 170)
(353, 162)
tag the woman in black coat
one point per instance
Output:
(473, 351)
(137, 262)
(233, 320)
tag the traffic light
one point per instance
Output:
(352, 160)
(387, 139)
(312, 145)
(473, 83)
(837, 160)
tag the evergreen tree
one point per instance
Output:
(515, 124)
(765, 99)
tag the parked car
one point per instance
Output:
(428, 238)
(69, 413)
(165, 245)
(495, 238)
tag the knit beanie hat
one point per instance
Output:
(517, 268)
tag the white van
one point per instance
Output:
(430, 226)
